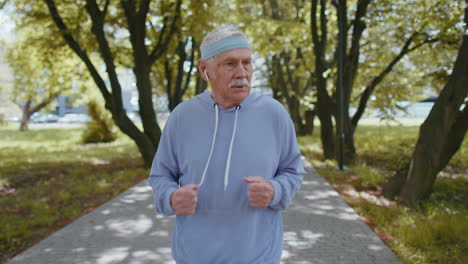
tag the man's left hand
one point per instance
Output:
(260, 191)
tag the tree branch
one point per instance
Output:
(323, 22)
(97, 18)
(168, 71)
(106, 6)
(352, 59)
(358, 28)
(161, 47)
(73, 44)
(192, 63)
(280, 75)
(376, 80)
(313, 24)
(160, 37)
(144, 8)
(3, 3)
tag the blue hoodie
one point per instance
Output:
(216, 148)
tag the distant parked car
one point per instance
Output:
(74, 118)
(37, 117)
(43, 118)
(52, 118)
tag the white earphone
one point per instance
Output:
(206, 75)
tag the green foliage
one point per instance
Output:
(101, 128)
(390, 150)
(42, 67)
(422, 71)
(433, 232)
(368, 177)
(48, 179)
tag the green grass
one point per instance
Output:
(48, 179)
(436, 231)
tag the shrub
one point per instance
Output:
(367, 177)
(101, 128)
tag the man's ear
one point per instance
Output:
(202, 69)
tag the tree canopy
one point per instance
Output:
(395, 51)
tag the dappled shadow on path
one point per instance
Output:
(318, 228)
(124, 230)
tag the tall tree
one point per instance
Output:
(279, 39)
(440, 135)
(146, 46)
(41, 74)
(385, 40)
(319, 31)
(411, 38)
(290, 87)
(179, 70)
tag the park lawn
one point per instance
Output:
(48, 179)
(436, 231)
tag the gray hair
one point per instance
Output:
(222, 32)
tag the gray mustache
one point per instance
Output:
(241, 82)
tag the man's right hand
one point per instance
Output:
(184, 200)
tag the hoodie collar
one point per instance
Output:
(206, 98)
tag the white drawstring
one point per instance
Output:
(228, 162)
(212, 146)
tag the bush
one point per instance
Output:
(101, 128)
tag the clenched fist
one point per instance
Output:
(260, 191)
(184, 200)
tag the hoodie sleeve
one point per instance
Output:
(164, 172)
(290, 171)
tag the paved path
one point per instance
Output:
(319, 228)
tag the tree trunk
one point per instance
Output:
(392, 188)
(177, 87)
(324, 102)
(148, 139)
(327, 133)
(350, 72)
(349, 149)
(273, 78)
(442, 133)
(295, 112)
(144, 144)
(200, 85)
(29, 109)
(24, 125)
(309, 122)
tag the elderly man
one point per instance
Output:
(227, 163)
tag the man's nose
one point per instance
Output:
(240, 71)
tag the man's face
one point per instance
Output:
(230, 74)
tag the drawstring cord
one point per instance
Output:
(212, 145)
(228, 162)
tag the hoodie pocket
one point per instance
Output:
(226, 236)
